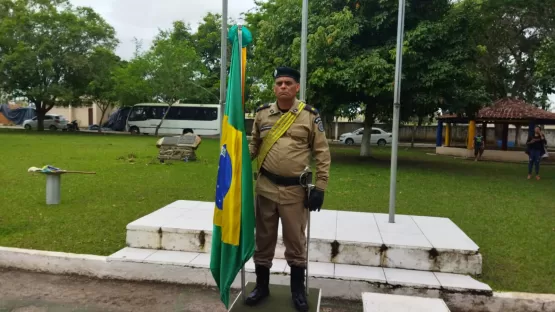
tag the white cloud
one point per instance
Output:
(143, 18)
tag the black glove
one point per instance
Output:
(315, 200)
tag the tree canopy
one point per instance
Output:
(46, 48)
(458, 56)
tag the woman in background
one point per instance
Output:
(536, 148)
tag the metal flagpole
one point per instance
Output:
(304, 61)
(396, 109)
(304, 39)
(240, 37)
(223, 64)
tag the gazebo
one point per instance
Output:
(504, 112)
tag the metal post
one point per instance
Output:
(310, 186)
(336, 128)
(304, 39)
(243, 290)
(302, 95)
(306, 182)
(396, 108)
(240, 44)
(53, 189)
(223, 64)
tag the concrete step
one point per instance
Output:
(373, 302)
(336, 280)
(341, 237)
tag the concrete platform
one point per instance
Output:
(373, 302)
(278, 301)
(456, 290)
(493, 155)
(342, 280)
(340, 237)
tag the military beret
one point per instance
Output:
(287, 72)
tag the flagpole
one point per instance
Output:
(223, 64)
(304, 35)
(302, 95)
(396, 108)
(240, 48)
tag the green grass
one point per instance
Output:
(510, 218)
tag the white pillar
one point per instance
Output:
(336, 128)
(517, 135)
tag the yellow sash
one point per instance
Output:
(282, 125)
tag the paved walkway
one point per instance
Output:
(36, 292)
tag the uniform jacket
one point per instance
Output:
(292, 152)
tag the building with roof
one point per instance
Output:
(502, 113)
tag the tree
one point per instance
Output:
(45, 49)
(545, 73)
(175, 67)
(4, 97)
(207, 42)
(351, 53)
(440, 65)
(102, 87)
(174, 63)
(513, 32)
(132, 80)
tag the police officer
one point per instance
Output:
(286, 134)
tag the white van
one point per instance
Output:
(203, 119)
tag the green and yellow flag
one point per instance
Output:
(233, 233)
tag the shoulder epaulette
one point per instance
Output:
(263, 106)
(311, 109)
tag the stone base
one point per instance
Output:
(337, 237)
(278, 301)
(461, 293)
(339, 280)
(396, 303)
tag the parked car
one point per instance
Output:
(378, 136)
(51, 121)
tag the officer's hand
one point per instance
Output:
(316, 200)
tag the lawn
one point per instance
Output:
(510, 218)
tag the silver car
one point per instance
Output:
(51, 121)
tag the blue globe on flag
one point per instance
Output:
(223, 182)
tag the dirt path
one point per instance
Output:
(22, 291)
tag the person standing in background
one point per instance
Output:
(536, 148)
(479, 146)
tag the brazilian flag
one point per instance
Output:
(233, 233)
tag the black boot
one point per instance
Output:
(261, 290)
(298, 289)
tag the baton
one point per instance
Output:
(307, 183)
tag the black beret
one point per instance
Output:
(287, 72)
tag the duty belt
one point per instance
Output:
(279, 180)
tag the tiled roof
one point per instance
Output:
(510, 109)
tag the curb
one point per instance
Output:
(99, 267)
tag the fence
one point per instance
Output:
(427, 134)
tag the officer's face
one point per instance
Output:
(286, 88)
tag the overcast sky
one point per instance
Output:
(142, 18)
